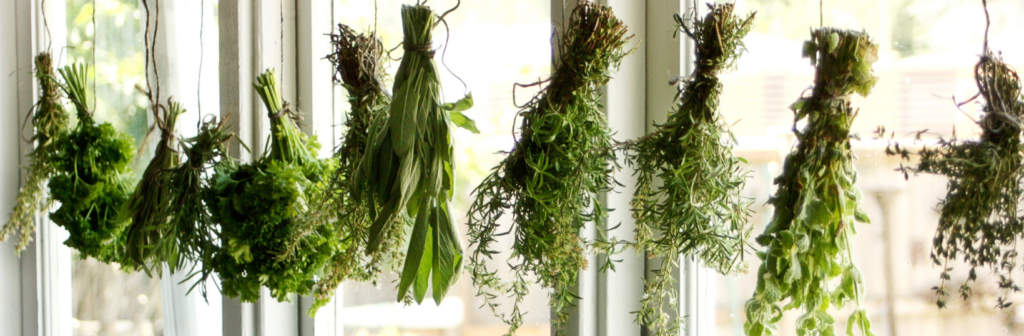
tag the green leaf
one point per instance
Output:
(414, 255)
(464, 122)
(447, 254)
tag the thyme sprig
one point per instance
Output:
(687, 200)
(808, 242)
(49, 121)
(551, 178)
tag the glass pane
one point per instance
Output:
(927, 53)
(493, 44)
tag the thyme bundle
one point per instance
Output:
(90, 177)
(697, 208)
(359, 68)
(551, 178)
(808, 240)
(407, 172)
(256, 206)
(49, 120)
(979, 219)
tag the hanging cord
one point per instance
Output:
(46, 26)
(199, 81)
(821, 13)
(95, 45)
(447, 37)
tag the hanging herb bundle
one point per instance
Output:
(256, 206)
(90, 177)
(147, 212)
(49, 120)
(551, 178)
(979, 220)
(407, 172)
(697, 208)
(808, 242)
(359, 68)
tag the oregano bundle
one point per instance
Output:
(687, 200)
(49, 121)
(808, 242)
(549, 182)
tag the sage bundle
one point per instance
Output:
(979, 219)
(551, 178)
(407, 172)
(91, 177)
(359, 68)
(49, 121)
(808, 242)
(256, 206)
(687, 199)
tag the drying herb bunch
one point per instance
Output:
(91, 177)
(407, 172)
(808, 242)
(687, 199)
(147, 212)
(256, 206)
(980, 221)
(359, 68)
(49, 120)
(551, 179)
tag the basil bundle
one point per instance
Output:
(979, 219)
(808, 240)
(687, 200)
(359, 68)
(407, 172)
(256, 206)
(49, 120)
(551, 178)
(90, 177)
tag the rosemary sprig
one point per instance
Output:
(687, 199)
(808, 240)
(551, 178)
(49, 120)
(90, 177)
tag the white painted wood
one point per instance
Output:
(10, 265)
(45, 307)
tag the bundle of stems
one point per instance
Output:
(49, 120)
(256, 206)
(407, 173)
(687, 199)
(359, 68)
(551, 178)
(979, 220)
(808, 242)
(150, 239)
(91, 177)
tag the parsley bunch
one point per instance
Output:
(807, 243)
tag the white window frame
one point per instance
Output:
(288, 35)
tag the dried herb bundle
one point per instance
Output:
(359, 68)
(551, 178)
(407, 172)
(90, 177)
(687, 199)
(49, 120)
(147, 212)
(980, 222)
(808, 240)
(256, 204)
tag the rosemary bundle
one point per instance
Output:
(697, 208)
(256, 206)
(979, 220)
(808, 242)
(147, 212)
(359, 68)
(90, 178)
(407, 171)
(49, 120)
(551, 178)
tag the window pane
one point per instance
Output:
(493, 44)
(928, 49)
